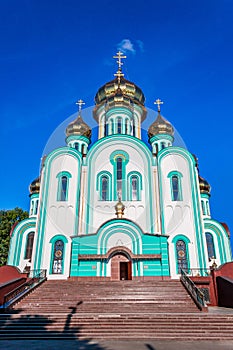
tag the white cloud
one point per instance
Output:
(126, 45)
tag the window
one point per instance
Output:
(104, 188)
(134, 185)
(58, 257)
(134, 181)
(119, 126)
(181, 256)
(210, 245)
(163, 145)
(76, 146)
(32, 207)
(134, 130)
(127, 127)
(175, 188)
(63, 189)
(175, 183)
(119, 159)
(203, 207)
(110, 127)
(36, 206)
(63, 185)
(105, 129)
(29, 245)
(208, 208)
(119, 177)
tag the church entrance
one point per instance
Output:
(121, 268)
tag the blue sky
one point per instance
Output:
(55, 52)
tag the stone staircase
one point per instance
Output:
(112, 310)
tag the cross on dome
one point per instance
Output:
(80, 103)
(119, 56)
(158, 102)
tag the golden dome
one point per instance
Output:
(120, 91)
(160, 126)
(78, 127)
(204, 185)
(35, 186)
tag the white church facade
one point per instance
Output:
(116, 208)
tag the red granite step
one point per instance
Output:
(112, 310)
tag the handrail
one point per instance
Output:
(36, 277)
(195, 292)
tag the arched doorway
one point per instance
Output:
(121, 264)
(121, 268)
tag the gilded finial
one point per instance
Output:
(119, 56)
(119, 207)
(158, 102)
(80, 103)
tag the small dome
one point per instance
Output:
(204, 185)
(78, 127)
(119, 207)
(160, 126)
(35, 186)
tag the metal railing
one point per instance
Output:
(195, 292)
(36, 277)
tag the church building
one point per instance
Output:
(119, 207)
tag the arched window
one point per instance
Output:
(134, 129)
(127, 127)
(58, 252)
(208, 208)
(63, 188)
(29, 245)
(76, 146)
(175, 188)
(175, 183)
(134, 185)
(210, 245)
(63, 185)
(104, 185)
(119, 176)
(105, 129)
(163, 145)
(104, 188)
(110, 127)
(36, 206)
(119, 125)
(203, 207)
(119, 160)
(32, 207)
(181, 256)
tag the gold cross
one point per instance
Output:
(119, 74)
(119, 57)
(80, 103)
(158, 102)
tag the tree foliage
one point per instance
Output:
(7, 219)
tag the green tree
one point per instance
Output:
(7, 219)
